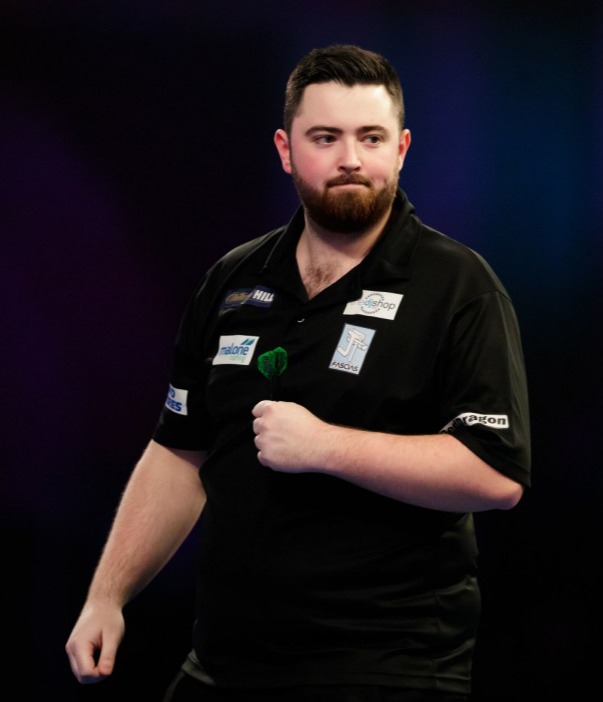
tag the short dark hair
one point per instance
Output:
(341, 63)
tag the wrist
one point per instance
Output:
(330, 445)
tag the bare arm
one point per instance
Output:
(160, 505)
(435, 471)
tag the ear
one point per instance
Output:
(403, 147)
(281, 141)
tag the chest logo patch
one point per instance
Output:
(351, 349)
(236, 349)
(258, 296)
(375, 304)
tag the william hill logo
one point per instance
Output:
(236, 349)
(258, 296)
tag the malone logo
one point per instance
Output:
(235, 349)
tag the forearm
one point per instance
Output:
(434, 471)
(158, 509)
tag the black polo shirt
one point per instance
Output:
(306, 578)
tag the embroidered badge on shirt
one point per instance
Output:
(258, 296)
(375, 304)
(492, 421)
(236, 349)
(352, 349)
(176, 400)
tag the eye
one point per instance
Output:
(324, 139)
(373, 139)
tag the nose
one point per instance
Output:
(350, 159)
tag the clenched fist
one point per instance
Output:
(289, 438)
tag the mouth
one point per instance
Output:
(349, 182)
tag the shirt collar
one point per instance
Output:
(391, 257)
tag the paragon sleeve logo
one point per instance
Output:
(236, 349)
(492, 421)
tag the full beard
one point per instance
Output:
(346, 211)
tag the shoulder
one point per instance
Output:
(461, 269)
(249, 255)
(245, 257)
(257, 248)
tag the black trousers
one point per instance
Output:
(185, 688)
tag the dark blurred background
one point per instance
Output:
(136, 147)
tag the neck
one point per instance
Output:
(324, 256)
(320, 241)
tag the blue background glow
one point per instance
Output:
(136, 147)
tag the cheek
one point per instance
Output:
(385, 168)
(310, 168)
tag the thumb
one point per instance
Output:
(108, 654)
(106, 663)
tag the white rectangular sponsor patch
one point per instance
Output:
(492, 421)
(351, 349)
(176, 400)
(236, 349)
(375, 304)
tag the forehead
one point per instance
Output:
(348, 107)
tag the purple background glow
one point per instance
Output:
(136, 147)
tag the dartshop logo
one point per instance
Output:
(469, 419)
(375, 304)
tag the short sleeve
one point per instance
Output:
(183, 422)
(484, 385)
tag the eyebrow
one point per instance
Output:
(336, 131)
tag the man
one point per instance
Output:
(349, 388)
